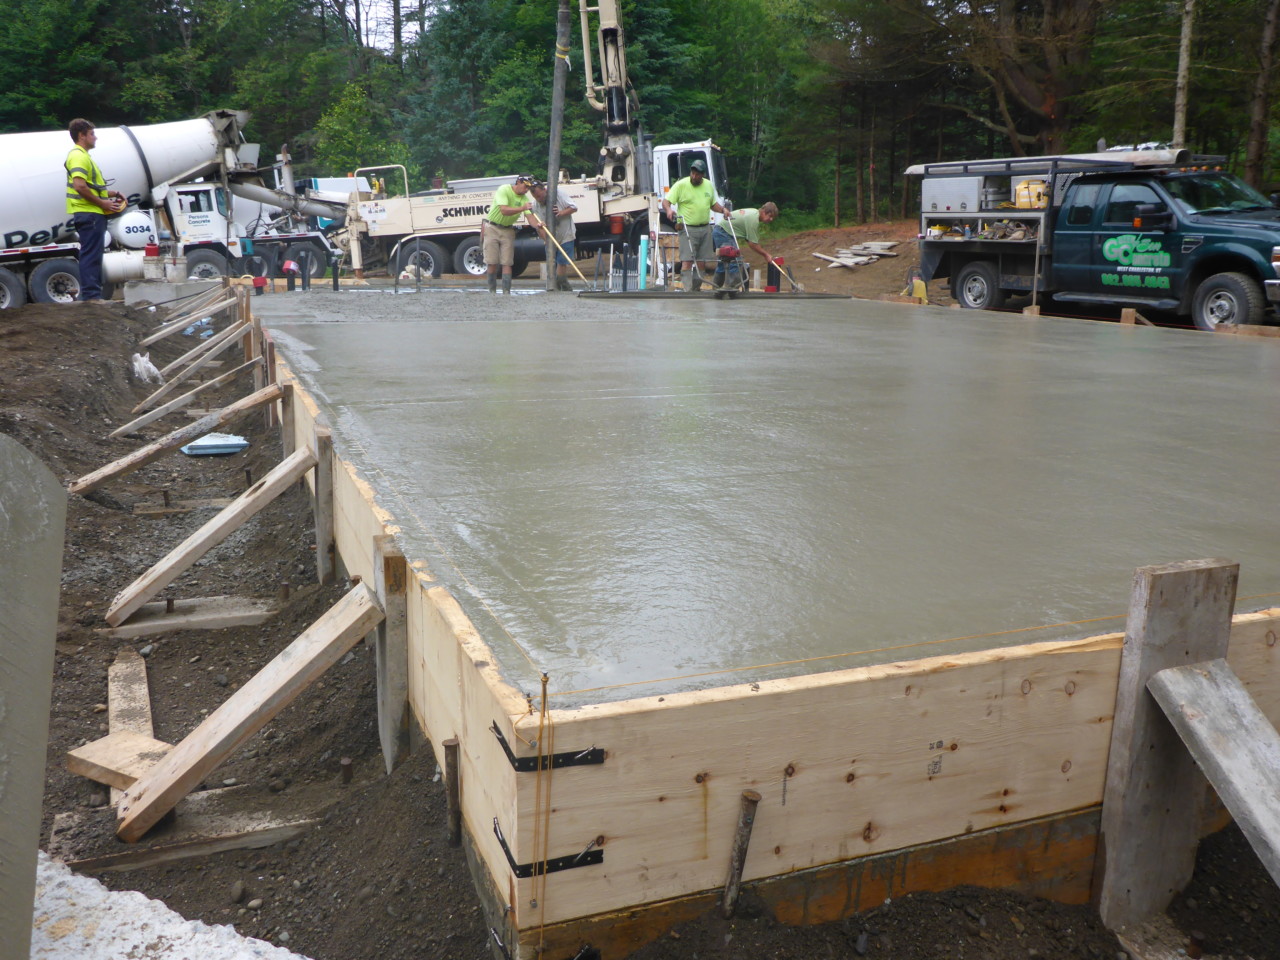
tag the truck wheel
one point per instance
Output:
(317, 259)
(469, 257)
(424, 256)
(55, 281)
(1227, 299)
(977, 286)
(12, 291)
(206, 265)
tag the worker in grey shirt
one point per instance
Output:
(746, 229)
(565, 232)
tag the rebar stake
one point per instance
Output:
(738, 856)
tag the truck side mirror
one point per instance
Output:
(1152, 216)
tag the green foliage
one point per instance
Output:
(803, 95)
(356, 132)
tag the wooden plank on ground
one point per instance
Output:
(179, 402)
(118, 759)
(1179, 614)
(241, 817)
(201, 613)
(247, 711)
(158, 448)
(1233, 742)
(128, 699)
(183, 556)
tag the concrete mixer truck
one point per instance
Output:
(193, 188)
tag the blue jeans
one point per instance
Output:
(721, 237)
(92, 230)
(568, 248)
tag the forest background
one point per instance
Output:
(819, 105)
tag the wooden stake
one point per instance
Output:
(183, 556)
(1179, 614)
(451, 790)
(248, 710)
(324, 505)
(157, 449)
(738, 856)
(391, 650)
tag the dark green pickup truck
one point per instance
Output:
(1154, 229)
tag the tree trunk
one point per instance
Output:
(397, 31)
(1184, 74)
(1260, 102)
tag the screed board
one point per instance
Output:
(639, 498)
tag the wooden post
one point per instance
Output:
(1179, 614)
(324, 505)
(451, 790)
(1128, 315)
(286, 418)
(391, 650)
(738, 856)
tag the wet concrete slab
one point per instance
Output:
(642, 497)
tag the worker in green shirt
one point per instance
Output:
(499, 229)
(745, 231)
(695, 198)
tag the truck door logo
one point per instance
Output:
(1139, 260)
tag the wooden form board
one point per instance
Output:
(1034, 721)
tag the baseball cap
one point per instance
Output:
(699, 165)
(525, 178)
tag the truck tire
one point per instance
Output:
(206, 265)
(55, 281)
(427, 256)
(469, 257)
(977, 286)
(1227, 299)
(317, 259)
(13, 293)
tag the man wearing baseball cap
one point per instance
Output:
(499, 229)
(694, 198)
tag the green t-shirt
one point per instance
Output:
(694, 203)
(746, 225)
(80, 164)
(506, 196)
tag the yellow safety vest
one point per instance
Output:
(80, 164)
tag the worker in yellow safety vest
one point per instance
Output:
(89, 201)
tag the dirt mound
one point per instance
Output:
(869, 281)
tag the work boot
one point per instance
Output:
(506, 284)
(695, 283)
(562, 283)
(493, 283)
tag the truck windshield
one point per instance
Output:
(1214, 193)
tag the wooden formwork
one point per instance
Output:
(983, 768)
